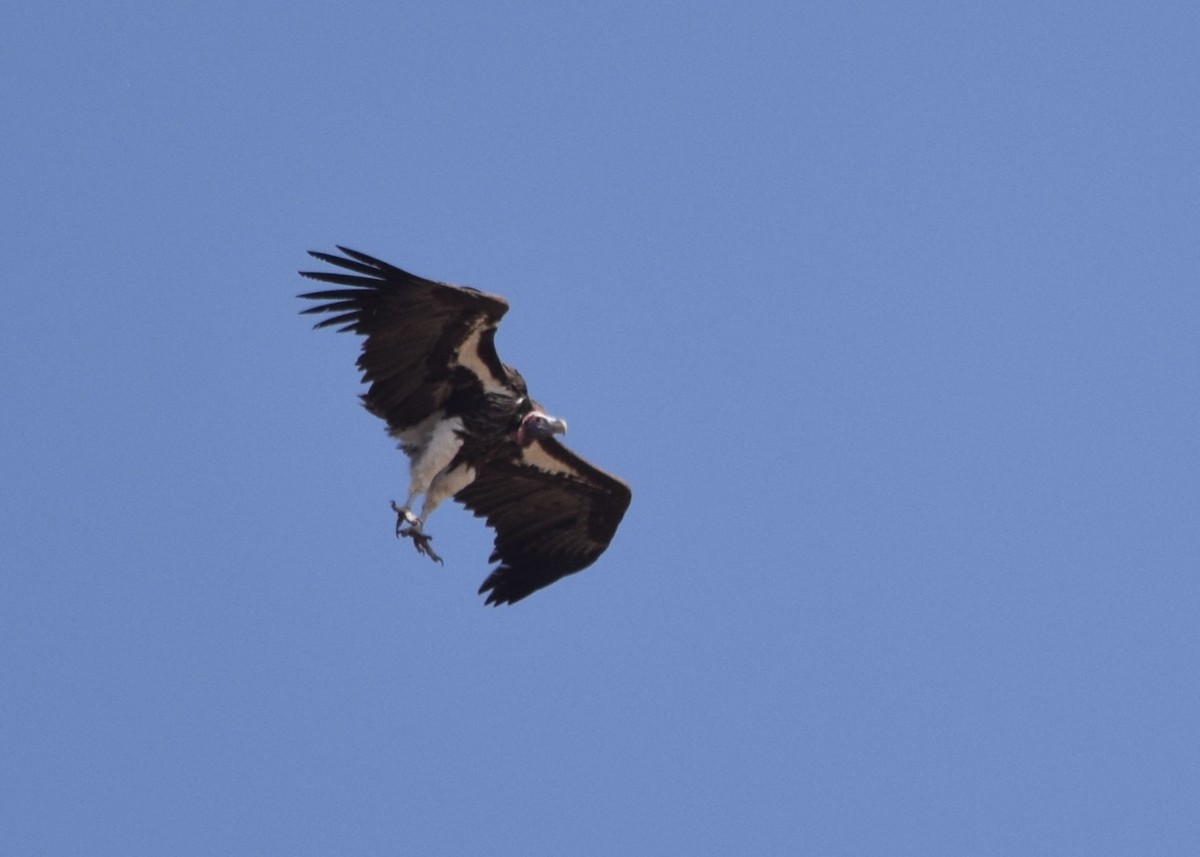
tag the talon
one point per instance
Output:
(421, 543)
(413, 531)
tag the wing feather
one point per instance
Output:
(553, 513)
(420, 334)
(427, 345)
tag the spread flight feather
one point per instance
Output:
(467, 423)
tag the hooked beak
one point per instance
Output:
(538, 424)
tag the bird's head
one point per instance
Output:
(536, 425)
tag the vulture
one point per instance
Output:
(467, 424)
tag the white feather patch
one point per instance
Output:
(444, 442)
(536, 456)
(447, 484)
(414, 438)
(468, 356)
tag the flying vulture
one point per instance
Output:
(468, 425)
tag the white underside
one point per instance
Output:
(439, 441)
(445, 485)
(416, 437)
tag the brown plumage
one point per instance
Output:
(468, 425)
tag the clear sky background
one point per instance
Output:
(889, 313)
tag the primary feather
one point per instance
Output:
(467, 423)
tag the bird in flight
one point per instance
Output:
(468, 425)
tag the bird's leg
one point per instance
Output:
(408, 526)
(403, 516)
(436, 454)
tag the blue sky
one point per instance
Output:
(888, 312)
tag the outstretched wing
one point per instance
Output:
(553, 513)
(421, 335)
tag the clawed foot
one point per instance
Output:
(408, 526)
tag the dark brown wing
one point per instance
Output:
(553, 513)
(420, 334)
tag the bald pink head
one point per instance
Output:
(538, 425)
